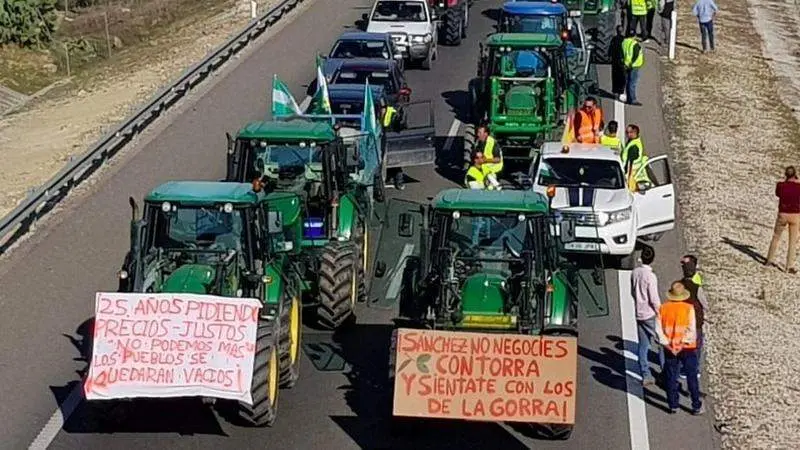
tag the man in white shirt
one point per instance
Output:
(644, 287)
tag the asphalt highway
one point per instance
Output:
(48, 287)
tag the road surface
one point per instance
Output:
(48, 287)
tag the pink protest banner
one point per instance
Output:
(172, 345)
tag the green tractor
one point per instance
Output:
(524, 91)
(224, 239)
(485, 262)
(599, 19)
(336, 185)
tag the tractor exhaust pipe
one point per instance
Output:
(134, 209)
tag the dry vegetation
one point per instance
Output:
(731, 137)
(37, 141)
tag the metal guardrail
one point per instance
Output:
(21, 219)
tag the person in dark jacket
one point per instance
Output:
(693, 280)
(617, 63)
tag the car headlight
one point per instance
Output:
(607, 218)
(421, 39)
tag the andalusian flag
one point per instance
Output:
(321, 102)
(283, 103)
(569, 129)
(369, 123)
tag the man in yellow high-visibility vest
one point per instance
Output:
(637, 17)
(492, 155)
(633, 54)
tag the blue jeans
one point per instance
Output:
(687, 359)
(647, 331)
(707, 34)
(630, 84)
(699, 351)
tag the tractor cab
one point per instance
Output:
(202, 238)
(483, 260)
(311, 158)
(523, 90)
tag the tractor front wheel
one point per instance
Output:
(291, 321)
(264, 388)
(604, 32)
(341, 283)
(453, 25)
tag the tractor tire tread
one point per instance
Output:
(261, 413)
(453, 18)
(336, 264)
(605, 31)
(288, 373)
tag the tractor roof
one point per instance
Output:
(491, 201)
(524, 8)
(203, 192)
(293, 129)
(524, 40)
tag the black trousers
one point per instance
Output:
(617, 79)
(651, 13)
(635, 22)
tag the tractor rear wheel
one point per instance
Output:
(341, 283)
(453, 25)
(264, 388)
(291, 321)
(604, 33)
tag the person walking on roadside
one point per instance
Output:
(706, 11)
(677, 331)
(610, 139)
(788, 193)
(693, 280)
(644, 285)
(665, 12)
(633, 58)
(649, 17)
(637, 17)
(617, 64)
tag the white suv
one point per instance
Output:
(412, 26)
(590, 189)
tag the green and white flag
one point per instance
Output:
(321, 101)
(369, 123)
(283, 103)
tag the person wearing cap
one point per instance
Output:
(644, 286)
(677, 331)
(693, 280)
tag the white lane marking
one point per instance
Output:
(56, 422)
(637, 413)
(304, 104)
(397, 276)
(619, 116)
(451, 134)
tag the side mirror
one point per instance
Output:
(380, 269)
(405, 225)
(274, 222)
(434, 16)
(365, 17)
(590, 47)
(567, 231)
(398, 56)
(642, 186)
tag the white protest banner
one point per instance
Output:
(172, 345)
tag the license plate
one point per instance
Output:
(582, 246)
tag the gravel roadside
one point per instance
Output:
(731, 137)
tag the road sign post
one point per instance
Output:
(673, 33)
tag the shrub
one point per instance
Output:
(27, 22)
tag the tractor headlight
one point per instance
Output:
(228, 208)
(122, 274)
(166, 207)
(607, 218)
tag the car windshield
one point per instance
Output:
(483, 236)
(379, 78)
(579, 172)
(394, 11)
(532, 24)
(360, 49)
(209, 228)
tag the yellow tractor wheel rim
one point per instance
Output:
(294, 330)
(273, 377)
(353, 287)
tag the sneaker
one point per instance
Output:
(683, 376)
(700, 411)
(673, 410)
(648, 381)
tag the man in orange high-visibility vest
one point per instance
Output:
(677, 331)
(588, 122)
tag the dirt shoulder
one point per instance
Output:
(731, 137)
(40, 139)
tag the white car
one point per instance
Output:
(590, 189)
(412, 26)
